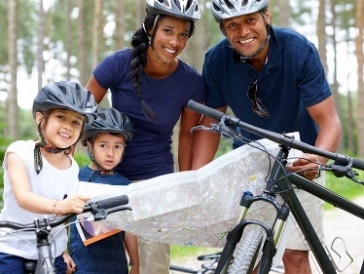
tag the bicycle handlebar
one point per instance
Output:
(282, 139)
(93, 207)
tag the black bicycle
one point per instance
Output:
(252, 243)
(42, 229)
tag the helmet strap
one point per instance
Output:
(38, 161)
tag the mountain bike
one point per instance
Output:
(207, 267)
(252, 244)
(42, 227)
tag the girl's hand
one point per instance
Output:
(71, 266)
(72, 204)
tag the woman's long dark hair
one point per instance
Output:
(140, 42)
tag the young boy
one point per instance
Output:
(106, 140)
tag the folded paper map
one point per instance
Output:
(195, 207)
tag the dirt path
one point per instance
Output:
(337, 223)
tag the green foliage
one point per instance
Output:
(180, 252)
(82, 159)
(344, 187)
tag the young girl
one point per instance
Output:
(106, 139)
(152, 86)
(40, 176)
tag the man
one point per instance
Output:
(271, 78)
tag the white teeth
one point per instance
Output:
(246, 41)
(170, 51)
(64, 135)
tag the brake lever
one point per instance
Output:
(214, 128)
(340, 171)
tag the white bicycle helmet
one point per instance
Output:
(224, 9)
(185, 9)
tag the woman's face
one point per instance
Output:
(170, 38)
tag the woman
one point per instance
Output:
(152, 86)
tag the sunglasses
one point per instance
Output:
(257, 105)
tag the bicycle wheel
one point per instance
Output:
(246, 252)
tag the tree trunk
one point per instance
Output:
(68, 45)
(12, 112)
(96, 31)
(321, 34)
(335, 84)
(119, 25)
(139, 13)
(285, 13)
(82, 43)
(41, 36)
(359, 22)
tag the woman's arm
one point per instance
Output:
(97, 91)
(189, 119)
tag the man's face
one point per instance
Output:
(246, 33)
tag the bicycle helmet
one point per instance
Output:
(66, 95)
(224, 9)
(110, 121)
(185, 9)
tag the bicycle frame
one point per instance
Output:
(281, 181)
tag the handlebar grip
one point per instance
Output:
(200, 108)
(113, 202)
(359, 164)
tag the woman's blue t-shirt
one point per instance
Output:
(149, 153)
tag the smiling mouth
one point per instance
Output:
(64, 135)
(170, 50)
(246, 41)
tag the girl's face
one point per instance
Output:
(170, 39)
(62, 128)
(108, 150)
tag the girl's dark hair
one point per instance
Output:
(140, 42)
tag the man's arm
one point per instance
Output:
(325, 116)
(205, 143)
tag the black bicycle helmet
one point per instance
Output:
(110, 121)
(185, 9)
(224, 9)
(66, 95)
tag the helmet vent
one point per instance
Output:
(102, 115)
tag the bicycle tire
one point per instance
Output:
(246, 252)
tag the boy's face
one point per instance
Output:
(108, 150)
